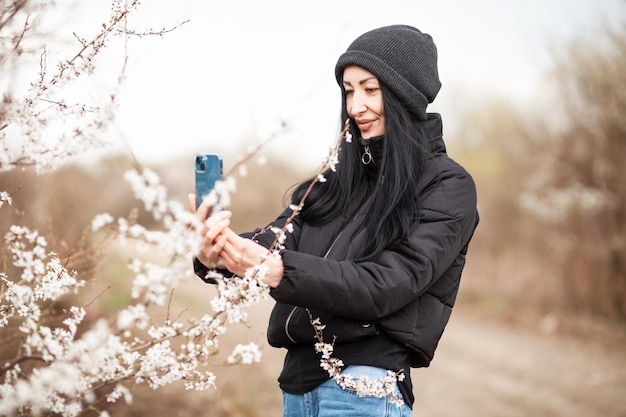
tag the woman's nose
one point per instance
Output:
(358, 104)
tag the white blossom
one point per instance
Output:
(101, 221)
(68, 361)
(131, 316)
(28, 251)
(118, 392)
(5, 198)
(364, 386)
(202, 382)
(245, 354)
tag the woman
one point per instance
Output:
(378, 249)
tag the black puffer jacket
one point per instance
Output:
(406, 293)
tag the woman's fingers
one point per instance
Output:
(210, 250)
(202, 212)
(214, 239)
(220, 241)
(216, 222)
(240, 253)
(214, 227)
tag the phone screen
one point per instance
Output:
(208, 171)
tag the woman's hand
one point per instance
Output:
(212, 232)
(225, 249)
(238, 254)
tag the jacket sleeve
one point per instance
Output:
(370, 290)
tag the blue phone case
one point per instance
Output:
(208, 170)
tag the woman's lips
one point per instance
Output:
(364, 124)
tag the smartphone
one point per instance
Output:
(208, 171)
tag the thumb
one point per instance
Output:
(191, 199)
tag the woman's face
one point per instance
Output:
(364, 101)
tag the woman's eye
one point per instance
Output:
(372, 90)
(349, 93)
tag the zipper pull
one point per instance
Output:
(366, 158)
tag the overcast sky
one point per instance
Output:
(238, 68)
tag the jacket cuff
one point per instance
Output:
(202, 271)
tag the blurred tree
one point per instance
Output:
(508, 265)
(552, 189)
(580, 190)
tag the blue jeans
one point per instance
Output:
(330, 400)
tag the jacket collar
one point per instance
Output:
(434, 131)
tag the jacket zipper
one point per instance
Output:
(332, 244)
(293, 310)
(291, 313)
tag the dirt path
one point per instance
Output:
(487, 369)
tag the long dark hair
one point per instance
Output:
(394, 199)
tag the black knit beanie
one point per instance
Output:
(402, 58)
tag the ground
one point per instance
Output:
(489, 368)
